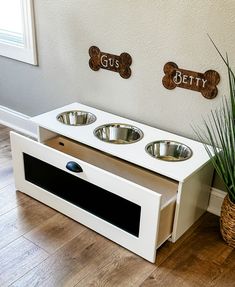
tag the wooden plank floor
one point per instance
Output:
(41, 247)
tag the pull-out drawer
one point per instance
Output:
(125, 208)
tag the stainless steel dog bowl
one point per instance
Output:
(169, 150)
(76, 118)
(118, 133)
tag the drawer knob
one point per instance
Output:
(73, 166)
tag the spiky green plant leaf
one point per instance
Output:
(218, 135)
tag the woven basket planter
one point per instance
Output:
(227, 221)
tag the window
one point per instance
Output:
(17, 35)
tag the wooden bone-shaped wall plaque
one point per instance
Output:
(204, 83)
(120, 64)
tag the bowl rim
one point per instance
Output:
(136, 129)
(172, 141)
(93, 117)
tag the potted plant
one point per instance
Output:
(219, 133)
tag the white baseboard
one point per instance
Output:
(17, 121)
(216, 199)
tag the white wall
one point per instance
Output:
(153, 32)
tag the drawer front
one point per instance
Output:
(83, 194)
(119, 209)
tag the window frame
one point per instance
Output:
(27, 52)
